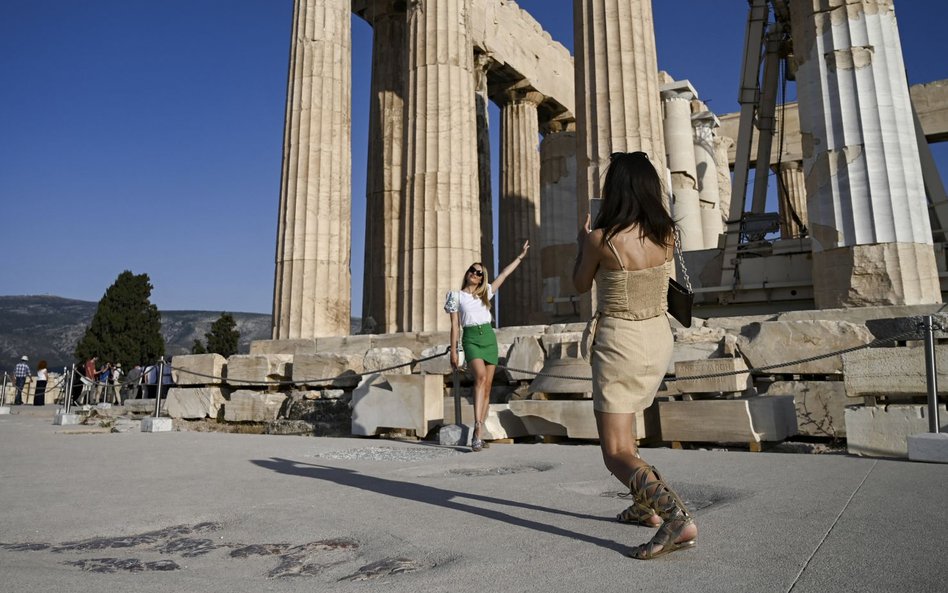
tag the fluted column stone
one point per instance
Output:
(791, 195)
(441, 213)
(558, 221)
(866, 205)
(519, 216)
(722, 144)
(485, 195)
(704, 123)
(384, 178)
(311, 295)
(679, 146)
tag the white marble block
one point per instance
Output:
(397, 401)
(194, 402)
(258, 369)
(198, 369)
(253, 406)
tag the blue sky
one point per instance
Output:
(148, 135)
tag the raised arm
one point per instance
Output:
(587, 258)
(495, 285)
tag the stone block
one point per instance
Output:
(140, 406)
(397, 401)
(253, 406)
(198, 369)
(565, 328)
(152, 424)
(569, 418)
(691, 351)
(4, 410)
(66, 419)
(192, 403)
(774, 342)
(289, 347)
(501, 422)
(327, 370)
(507, 335)
(736, 324)
(860, 314)
(525, 353)
(344, 345)
(744, 420)
(908, 328)
(258, 369)
(883, 431)
(455, 435)
(892, 371)
(548, 339)
(929, 446)
(699, 335)
(377, 359)
(820, 406)
(728, 384)
(441, 365)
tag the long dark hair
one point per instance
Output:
(632, 196)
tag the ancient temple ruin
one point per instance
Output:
(854, 225)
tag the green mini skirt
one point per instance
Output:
(479, 341)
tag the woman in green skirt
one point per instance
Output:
(470, 310)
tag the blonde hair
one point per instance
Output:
(481, 290)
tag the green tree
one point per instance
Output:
(223, 337)
(198, 347)
(126, 327)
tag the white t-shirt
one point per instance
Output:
(41, 375)
(471, 309)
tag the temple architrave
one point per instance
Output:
(850, 197)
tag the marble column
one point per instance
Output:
(617, 93)
(519, 216)
(442, 233)
(312, 285)
(791, 196)
(485, 195)
(384, 178)
(866, 205)
(558, 222)
(722, 144)
(704, 123)
(679, 145)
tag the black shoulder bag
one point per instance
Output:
(680, 298)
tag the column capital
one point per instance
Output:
(791, 165)
(521, 95)
(678, 89)
(558, 125)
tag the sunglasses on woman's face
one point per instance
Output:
(476, 272)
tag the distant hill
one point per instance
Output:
(49, 327)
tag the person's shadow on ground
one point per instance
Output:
(449, 499)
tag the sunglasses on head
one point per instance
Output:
(476, 272)
(636, 154)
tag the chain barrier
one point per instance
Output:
(311, 381)
(752, 370)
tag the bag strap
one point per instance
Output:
(681, 259)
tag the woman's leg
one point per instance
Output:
(620, 454)
(479, 369)
(619, 451)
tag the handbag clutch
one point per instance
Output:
(680, 297)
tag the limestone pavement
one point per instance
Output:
(88, 510)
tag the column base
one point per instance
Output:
(873, 275)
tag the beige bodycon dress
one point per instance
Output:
(632, 342)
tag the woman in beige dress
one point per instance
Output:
(628, 254)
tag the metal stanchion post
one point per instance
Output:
(62, 386)
(161, 372)
(931, 375)
(3, 391)
(456, 391)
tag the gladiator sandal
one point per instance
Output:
(653, 493)
(478, 443)
(637, 514)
